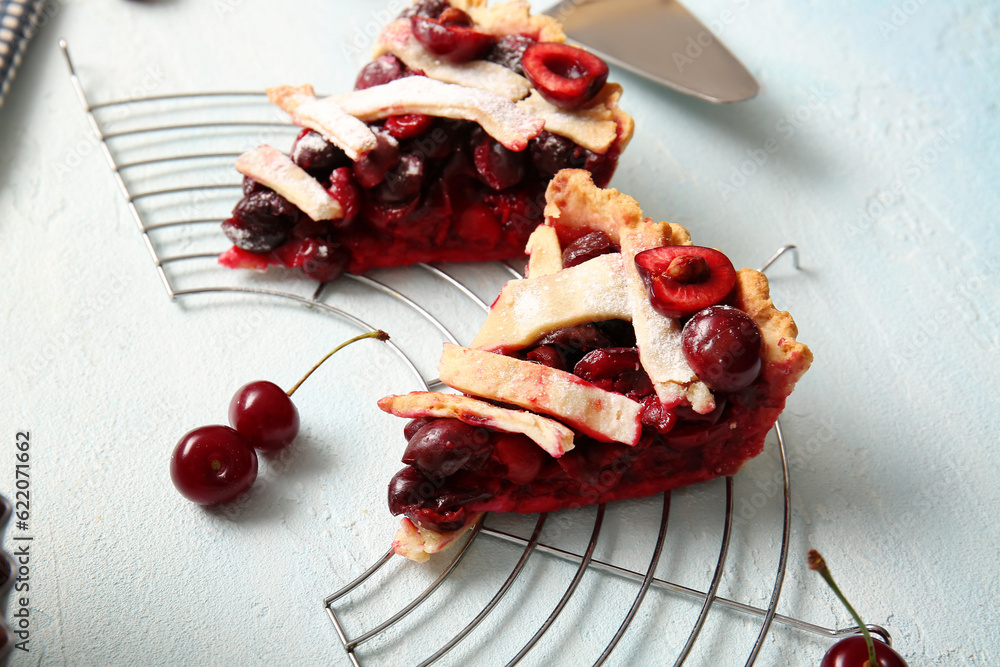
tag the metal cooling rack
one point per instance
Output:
(242, 120)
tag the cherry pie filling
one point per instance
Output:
(455, 470)
(434, 189)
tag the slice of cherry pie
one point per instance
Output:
(441, 153)
(628, 362)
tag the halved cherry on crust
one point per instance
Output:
(681, 280)
(452, 39)
(564, 75)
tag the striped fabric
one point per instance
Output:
(18, 21)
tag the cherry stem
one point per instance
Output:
(817, 563)
(378, 334)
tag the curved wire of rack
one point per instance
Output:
(586, 562)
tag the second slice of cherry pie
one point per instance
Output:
(627, 362)
(441, 153)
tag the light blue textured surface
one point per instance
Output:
(873, 147)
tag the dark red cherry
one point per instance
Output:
(607, 363)
(521, 456)
(264, 204)
(565, 75)
(344, 188)
(403, 182)
(253, 236)
(451, 41)
(261, 221)
(586, 248)
(251, 186)
(551, 153)
(307, 228)
(657, 416)
(408, 488)
(381, 70)
(681, 280)
(498, 167)
(213, 465)
(722, 345)
(853, 652)
(316, 155)
(428, 8)
(392, 217)
(319, 259)
(446, 446)
(478, 226)
(415, 425)
(615, 369)
(324, 261)
(583, 338)
(371, 167)
(409, 125)
(548, 355)
(509, 51)
(264, 414)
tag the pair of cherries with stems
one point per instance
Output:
(216, 464)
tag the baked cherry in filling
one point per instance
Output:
(509, 52)
(451, 36)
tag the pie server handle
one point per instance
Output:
(660, 40)
(18, 21)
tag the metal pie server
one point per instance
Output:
(660, 40)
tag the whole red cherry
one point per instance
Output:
(264, 414)
(853, 652)
(212, 465)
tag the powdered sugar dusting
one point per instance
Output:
(598, 413)
(269, 166)
(528, 309)
(326, 117)
(500, 117)
(398, 40)
(550, 435)
(337, 126)
(657, 337)
(530, 304)
(593, 128)
(309, 142)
